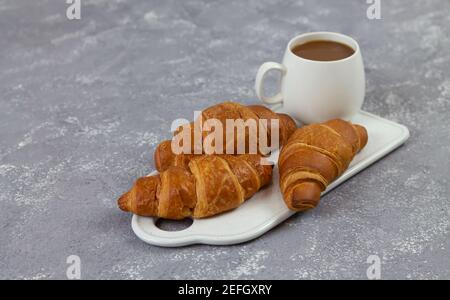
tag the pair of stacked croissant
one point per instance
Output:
(199, 186)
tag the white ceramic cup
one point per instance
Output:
(316, 91)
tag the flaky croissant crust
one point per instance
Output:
(199, 185)
(209, 185)
(232, 111)
(314, 156)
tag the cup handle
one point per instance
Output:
(266, 67)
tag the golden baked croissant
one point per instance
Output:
(211, 184)
(235, 111)
(314, 156)
(164, 156)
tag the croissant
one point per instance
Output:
(164, 156)
(235, 111)
(314, 156)
(211, 184)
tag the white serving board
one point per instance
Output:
(266, 209)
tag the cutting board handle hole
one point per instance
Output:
(172, 225)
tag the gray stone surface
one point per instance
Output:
(83, 104)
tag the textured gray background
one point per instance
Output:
(83, 104)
